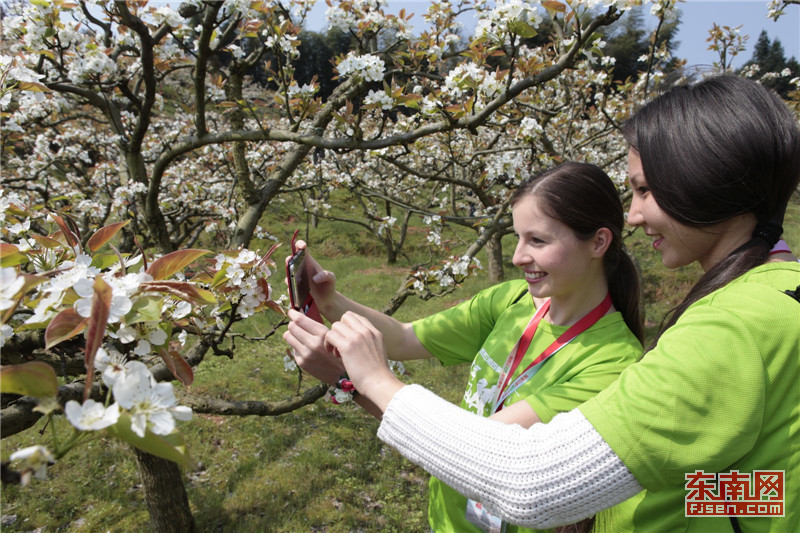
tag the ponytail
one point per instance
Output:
(625, 289)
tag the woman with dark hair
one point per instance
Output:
(538, 346)
(712, 167)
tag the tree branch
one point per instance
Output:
(200, 404)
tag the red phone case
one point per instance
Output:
(309, 306)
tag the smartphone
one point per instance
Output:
(299, 292)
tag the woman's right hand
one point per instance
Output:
(321, 282)
(360, 345)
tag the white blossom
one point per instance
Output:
(35, 460)
(6, 332)
(152, 405)
(289, 364)
(92, 415)
(10, 286)
(167, 15)
(112, 365)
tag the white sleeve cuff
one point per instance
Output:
(551, 474)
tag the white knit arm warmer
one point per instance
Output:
(551, 474)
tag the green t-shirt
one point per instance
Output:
(483, 331)
(720, 392)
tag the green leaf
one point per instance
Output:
(522, 28)
(103, 261)
(65, 325)
(146, 309)
(9, 259)
(171, 447)
(29, 379)
(165, 266)
(219, 277)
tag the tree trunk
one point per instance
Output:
(165, 494)
(494, 250)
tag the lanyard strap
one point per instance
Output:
(513, 361)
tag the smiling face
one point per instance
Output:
(556, 263)
(679, 244)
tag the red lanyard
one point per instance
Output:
(576, 329)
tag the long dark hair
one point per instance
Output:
(715, 150)
(583, 197)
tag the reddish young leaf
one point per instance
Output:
(48, 242)
(181, 289)
(97, 321)
(177, 365)
(71, 238)
(103, 235)
(275, 307)
(32, 86)
(64, 326)
(7, 249)
(554, 6)
(165, 266)
(269, 253)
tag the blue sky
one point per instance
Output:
(698, 17)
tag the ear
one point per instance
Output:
(601, 241)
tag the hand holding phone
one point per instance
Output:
(299, 283)
(299, 291)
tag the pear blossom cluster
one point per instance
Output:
(497, 25)
(434, 223)
(151, 405)
(776, 9)
(367, 67)
(302, 91)
(167, 15)
(58, 283)
(246, 277)
(447, 275)
(380, 99)
(366, 15)
(529, 129)
(287, 44)
(386, 223)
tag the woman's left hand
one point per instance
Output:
(307, 338)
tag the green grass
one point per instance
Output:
(320, 468)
